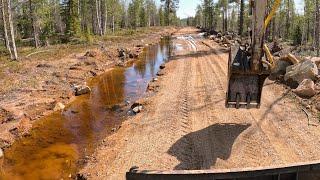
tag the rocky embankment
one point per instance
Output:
(292, 67)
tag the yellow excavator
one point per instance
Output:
(249, 66)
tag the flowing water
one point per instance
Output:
(59, 144)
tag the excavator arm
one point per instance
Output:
(250, 65)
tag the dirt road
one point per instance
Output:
(186, 126)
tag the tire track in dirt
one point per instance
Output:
(188, 127)
(186, 154)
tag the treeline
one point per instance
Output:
(301, 27)
(45, 22)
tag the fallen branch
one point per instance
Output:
(37, 52)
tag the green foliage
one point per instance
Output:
(198, 17)
(170, 7)
(143, 21)
(207, 13)
(71, 18)
(297, 35)
(161, 16)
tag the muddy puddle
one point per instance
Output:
(59, 144)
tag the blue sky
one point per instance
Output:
(187, 7)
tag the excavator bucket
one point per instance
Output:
(244, 85)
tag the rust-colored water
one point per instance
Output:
(58, 144)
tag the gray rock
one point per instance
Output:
(306, 89)
(316, 60)
(136, 108)
(122, 53)
(299, 72)
(318, 106)
(280, 69)
(81, 89)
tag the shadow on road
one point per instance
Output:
(200, 149)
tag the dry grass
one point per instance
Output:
(12, 72)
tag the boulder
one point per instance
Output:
(301, 71)
(59, 107)
(316, 60)
(212, 37)
(318, 106)
(306, 89)
(136, 108)
(134, 54)
(162, 66)
(81, 89)
(122, 53)
(280, 69)
(1, 153)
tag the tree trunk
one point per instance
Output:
(104, 17)
(98, 17)
(225, 9)
(317, 27)
(223, 22)
(5, 28)
(168, 13)
(34, 25)
(241, 17)
(13, 43)
(288, 19)
(113, 24)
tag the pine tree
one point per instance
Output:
(170, 7)
(161, 16)
(71, 18)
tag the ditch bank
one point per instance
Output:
(60, 143)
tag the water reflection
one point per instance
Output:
(58, 144)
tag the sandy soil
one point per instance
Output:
(186, 126)
(31, 87)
